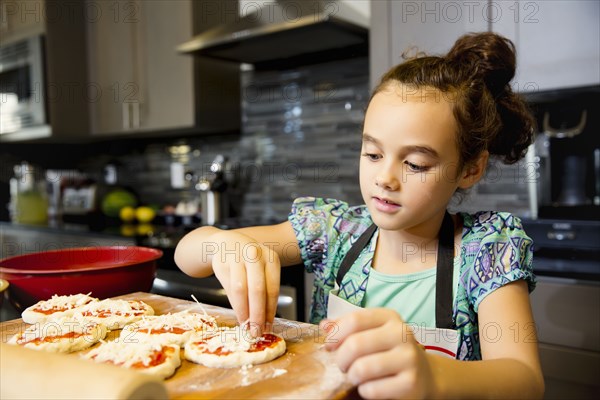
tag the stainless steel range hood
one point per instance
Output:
(286, 31)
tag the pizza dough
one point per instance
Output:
(156, 359)
(233, 347)
(63, 335)
(169, 328)
(115, 314)
(55, 308)
(147, 343)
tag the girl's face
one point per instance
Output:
(409, 159)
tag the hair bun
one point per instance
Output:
(486, 56)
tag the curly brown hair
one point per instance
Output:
(475, 74)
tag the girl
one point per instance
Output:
(430, 127)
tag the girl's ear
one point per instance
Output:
(472, 173)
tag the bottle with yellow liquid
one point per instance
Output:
(29, 200)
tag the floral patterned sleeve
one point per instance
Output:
(325, 230)
(314, 220)
(500, 254)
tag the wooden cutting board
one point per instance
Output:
(305, 371)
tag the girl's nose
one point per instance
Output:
(387, 180)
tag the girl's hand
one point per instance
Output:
(379, 353)
(249, 273)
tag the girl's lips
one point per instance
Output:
(385, 206)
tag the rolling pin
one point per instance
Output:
(34, 374)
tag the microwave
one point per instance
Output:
(23, 110)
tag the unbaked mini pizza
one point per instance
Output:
(169, 328)
(156, 359)
(64, 335)
(55, 308)
(115, 314)
(233, 347)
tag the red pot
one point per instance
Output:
(103, 271)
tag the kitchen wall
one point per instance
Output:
(300, 136)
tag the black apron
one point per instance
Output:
(444, 273)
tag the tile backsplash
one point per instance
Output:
(302, 129)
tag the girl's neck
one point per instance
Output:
(402, 252)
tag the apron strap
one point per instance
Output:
(354, 252)
(444, 273)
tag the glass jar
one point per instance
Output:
(29, 199)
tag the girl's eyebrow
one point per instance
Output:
(368, 138)
(421, 149)
(406, 149)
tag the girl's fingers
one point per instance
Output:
(358, 321)
(397, 386)
(238, 291)
(222, 274)
(252, 285)
(372, 341)
(272, 273)
(257, 297)
(382, 364)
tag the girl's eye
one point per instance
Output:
(372, 156)
(416, 168)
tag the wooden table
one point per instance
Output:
(305, 371)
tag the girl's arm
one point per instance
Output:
(195, 251)
(246, 261)
(378, 354)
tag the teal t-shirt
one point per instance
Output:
(494, 251)
(412, 295)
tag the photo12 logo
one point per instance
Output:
(469, 11)
(67, 12)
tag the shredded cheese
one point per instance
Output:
(116, 307)
(199, 304)
(229, 340)
(182, 320)
(126, 354)
(67, 302)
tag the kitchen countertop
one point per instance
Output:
(157, 235)
(559, 261)
(116, 231)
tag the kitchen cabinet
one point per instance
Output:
(112, 68)
(558, 42)
(56, 71)
(137, 80)
(568, 328)
(399, 26)
(20, 19)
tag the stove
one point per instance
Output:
(565, 248)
